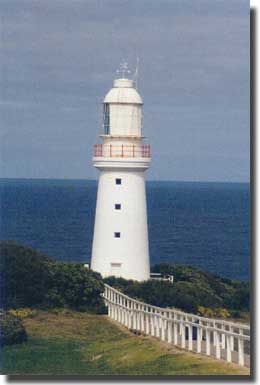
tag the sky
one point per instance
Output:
(59, 58)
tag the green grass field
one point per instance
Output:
(73, 343)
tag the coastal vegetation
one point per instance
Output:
(67, 342)
(32, 279)
(192, 290)
(52, 319)
(12, 330)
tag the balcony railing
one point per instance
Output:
(122, 151)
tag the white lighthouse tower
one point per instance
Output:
(120, 243)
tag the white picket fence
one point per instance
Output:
(217, 338)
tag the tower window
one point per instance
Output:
(118, 181)
(118, 206)
(117, 235)
(106, 119)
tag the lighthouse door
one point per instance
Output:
(116, 268)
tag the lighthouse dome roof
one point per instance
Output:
(123, 91)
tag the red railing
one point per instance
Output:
(122, 151)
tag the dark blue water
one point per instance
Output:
(201, 224)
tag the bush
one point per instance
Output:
(24, 275)
(191, 288)
(213, 313)
(32, 279)
(205, 312)
(11, 329)
(209, 290)
(72, 285)
(23, 313)
(222, 313)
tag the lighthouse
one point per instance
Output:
(120, 243)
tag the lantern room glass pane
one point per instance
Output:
(106, 119)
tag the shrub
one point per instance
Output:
(209, 290)
(31, 279)
(24, 275)
(213, 313)
(191, 288)
(222, 313)
(23, 312)
(72, 285)
(11, 329)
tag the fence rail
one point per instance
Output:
(122, 151)
(217, 338)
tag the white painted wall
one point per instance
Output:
(131, 249)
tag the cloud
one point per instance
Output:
(59, 58)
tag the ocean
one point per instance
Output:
(200, 224)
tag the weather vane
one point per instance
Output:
(123, 69)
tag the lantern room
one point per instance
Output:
(122, 111)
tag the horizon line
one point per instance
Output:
(147, 180)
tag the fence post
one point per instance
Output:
(152, 324)
(199, 331)
(223, 337)
(114, 308)
(190, 337)
(180, 323)
(134, 316)
(228, 350)
(142, 318)
(162, 321)
(207, 342)
(241, 360)
(214, 333)
(183, 330)
(126, 312)
(175, 330)
(112, 305)
(137, 316)
(157, 322)
(123, 310)
(231, 339)
(119, 309)
(169, 328)
(147, 321)
(217, 348)
(129, 314)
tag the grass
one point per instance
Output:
(73, 343)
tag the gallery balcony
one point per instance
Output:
(122, 151)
